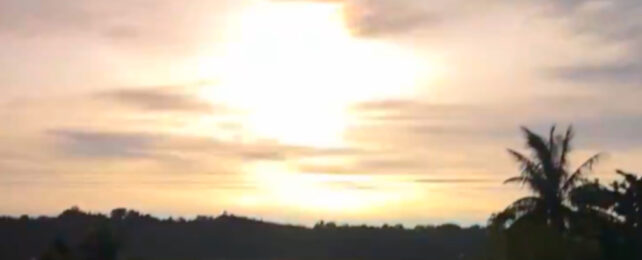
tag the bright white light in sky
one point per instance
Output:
(294, 69)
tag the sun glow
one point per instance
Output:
(294, 69)
(290, 71)
(321, 192)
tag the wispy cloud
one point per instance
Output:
(627, 74)
(105, 145)
(612, 22)
(163, 25)
(372, 18)
(457, 181)
(365, 164)
(133, 145)
(376, 17)
(161, 100)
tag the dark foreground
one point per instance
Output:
(130, 235)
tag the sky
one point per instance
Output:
(357, 111)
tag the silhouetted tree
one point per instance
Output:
(628, 206)
(118, 214)
(628, 200)
(622, 203)
(58, 250)
(100, 244)
(614, 213)
(546, 173)
(541, 226)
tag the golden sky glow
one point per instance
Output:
(300, 110)
(295, 81)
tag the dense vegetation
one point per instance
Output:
(566, 217)
(79, 235)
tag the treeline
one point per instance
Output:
(127, 234)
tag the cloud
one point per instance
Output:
(152, 24)
(351, 185)
(382, 17)
(436, 139)
(421, 120)
(132, 145)
(376, 17)
(615, 24)
(36, 17)
(627, 75)
(431, 159)
(161, 100)
(368, 164)
(458, 118)
(408, 109)
(612, 22)
(105, 145)
(612, 132)
(458, 181)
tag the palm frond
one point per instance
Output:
(528, 166)
(629, 177)
(525, 204)
(530, 170)
(522, 159)
(518, 179)
(577, 174)
(566, 146)
(518, 209)
(541, 149)
(551, 137)
(553, 147)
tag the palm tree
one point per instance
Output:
(546, 173)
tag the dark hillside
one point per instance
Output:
(139, 236)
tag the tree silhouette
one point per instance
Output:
(100, 244)
(628, 195)
(58, 250)
(546, 173)
(617, 210)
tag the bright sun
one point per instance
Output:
(291, 71)
(294, 69)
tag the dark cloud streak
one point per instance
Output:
(123, 145)
(105, 145)
(160, 99)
